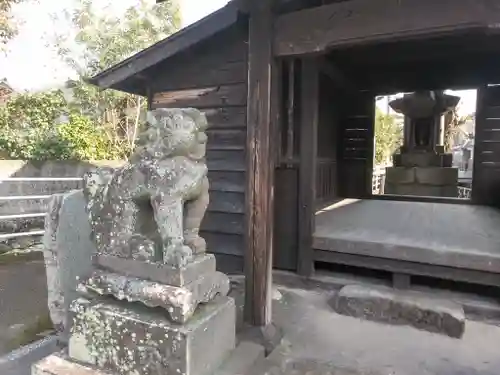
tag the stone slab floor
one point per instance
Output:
(317, 341)
(451, 235)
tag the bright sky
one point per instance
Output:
(30, 65)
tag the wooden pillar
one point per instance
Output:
(261, 147)
(308, 156)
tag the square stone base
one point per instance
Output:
(422, 181)
(130, 340)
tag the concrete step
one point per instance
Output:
(401, 307)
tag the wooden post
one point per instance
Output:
(260, 165)
(308, 156)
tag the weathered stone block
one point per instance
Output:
(418, 190)
(135, 340)
(401, 308)
(420, 159)
(179, 302)
(400, 175)
(449, 191)
(158, 272)
(68, 252)
(437, 176)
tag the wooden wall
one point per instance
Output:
(328, 124)
(213, 78)
(486, 182)
(356, 152)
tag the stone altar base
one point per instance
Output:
(114, 338)
(422, 181)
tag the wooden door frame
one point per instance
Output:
(308, 159)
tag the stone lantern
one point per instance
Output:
(422, 168)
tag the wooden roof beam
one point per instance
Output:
(356, 22)
(335, 74)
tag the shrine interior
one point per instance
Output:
(438, 233)
(443, 170)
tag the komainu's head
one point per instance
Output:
(172, 132)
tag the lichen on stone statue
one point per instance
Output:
(151, 209)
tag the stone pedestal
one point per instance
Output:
(422, 174)
(188, 328)
(130, 340)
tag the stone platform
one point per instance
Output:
(448, 241)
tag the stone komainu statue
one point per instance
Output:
(151, 209)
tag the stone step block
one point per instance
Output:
(434, 176)
(400, 175)
(421, 190)
(437, 176)
(396, 307)
(420, 159)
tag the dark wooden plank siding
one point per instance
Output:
(213, 78)
(356, 132)
(310, 83)
(203, 97)
(327, 163)
(486, 179)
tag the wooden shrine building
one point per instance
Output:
(289, 89)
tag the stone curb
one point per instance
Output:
(19, 361)
(397, 307)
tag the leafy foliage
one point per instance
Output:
(99, 124)
(388, 137)
(8, 27)
(103, 40)
(39, 127)
(453, 122)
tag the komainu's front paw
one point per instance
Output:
(178, 256)
(197, 244)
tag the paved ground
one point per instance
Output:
(23, 296)
(320, 342)
(444, 234)
(318, 339)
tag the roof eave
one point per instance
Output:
(115, 76)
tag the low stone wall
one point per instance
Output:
(47, 169)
